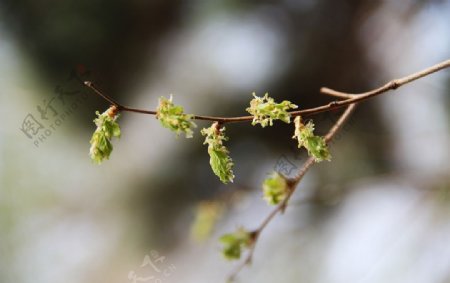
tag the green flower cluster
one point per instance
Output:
(265, 110)
(107, 128)
(172, 117)
(220, 161)
(315, 145)
(275, 188)
(234, 243)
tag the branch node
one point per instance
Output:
(333, 103)
(394, 84)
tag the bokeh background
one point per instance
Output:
(379, 212)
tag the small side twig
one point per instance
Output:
(293, 183)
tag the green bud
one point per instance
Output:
(172, 117)
(234, 243)
(265, 110)
(220, 161)
(275, 188)
(107, 128)
(315, 145)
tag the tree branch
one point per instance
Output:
(293, 183)
(349, 98)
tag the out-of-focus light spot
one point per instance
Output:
(227, 52)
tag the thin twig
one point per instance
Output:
(349, 98)
(342, 119)
(331, 92)
(293, 183)
(104, 96)
(136, 110)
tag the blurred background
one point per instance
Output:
(379, 212)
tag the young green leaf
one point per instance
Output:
(265, 110)
(220, 161)
(233, 243)
(107, 128)
(275, 188)
(315, 145)
(172, 117)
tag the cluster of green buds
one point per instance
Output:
(265, 110)
(275, 188)
(234, 243)
(173, 118)
(315, 145)
(107, 128)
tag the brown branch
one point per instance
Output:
(104, 96)
(293, 183)
(331, 92)
(349, 98)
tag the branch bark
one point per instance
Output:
(293, 184)
(348, 98)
